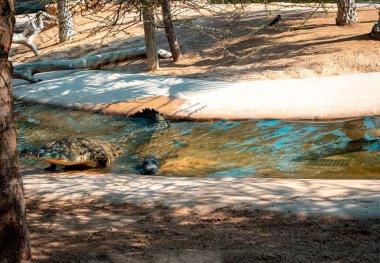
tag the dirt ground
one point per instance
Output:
(95, 232)
(226, 48)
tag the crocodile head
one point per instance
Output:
(149, 166)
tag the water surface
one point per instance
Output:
(255, 148)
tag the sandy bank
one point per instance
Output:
(323, 98)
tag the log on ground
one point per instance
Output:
(26, 71)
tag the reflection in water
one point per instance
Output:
(266, 148)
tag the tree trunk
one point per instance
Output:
(346, 12)
(27, 70)
(65, 21)
(14, 235)
(150, 35)
(169, 29)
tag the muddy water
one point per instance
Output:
(255, 148)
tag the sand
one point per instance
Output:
(319, 48)
(126, 218)
(318, 98)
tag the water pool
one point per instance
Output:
(256, 148)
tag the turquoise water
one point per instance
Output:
(254, 148)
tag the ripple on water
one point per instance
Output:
(265, 148)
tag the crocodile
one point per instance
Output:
(148, 153)
(94, 153)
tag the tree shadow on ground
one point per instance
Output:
(277, 47)
(101, 232)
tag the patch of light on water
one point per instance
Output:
(248, 171)
(268, 123)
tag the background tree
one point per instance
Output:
(65, 21)
(150, 35)
(14, 236)
(346, 12)
(169, 29)
(145, 10)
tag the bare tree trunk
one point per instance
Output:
(14, 235)
(346, 12)
(150, 35)
(65, 21)
(169, 29)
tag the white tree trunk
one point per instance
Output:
(65, 21)
(346, 12)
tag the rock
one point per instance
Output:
(189, 166)
(375, 32)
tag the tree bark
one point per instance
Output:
(346, 12)
(150, 36)
(27, 70)
(14, 235)
(169, 29)
(65, 21)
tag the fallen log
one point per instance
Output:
(27, 70)
(26, 30)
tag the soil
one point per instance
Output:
(229, 49)
(89, 231)
(98, 232)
